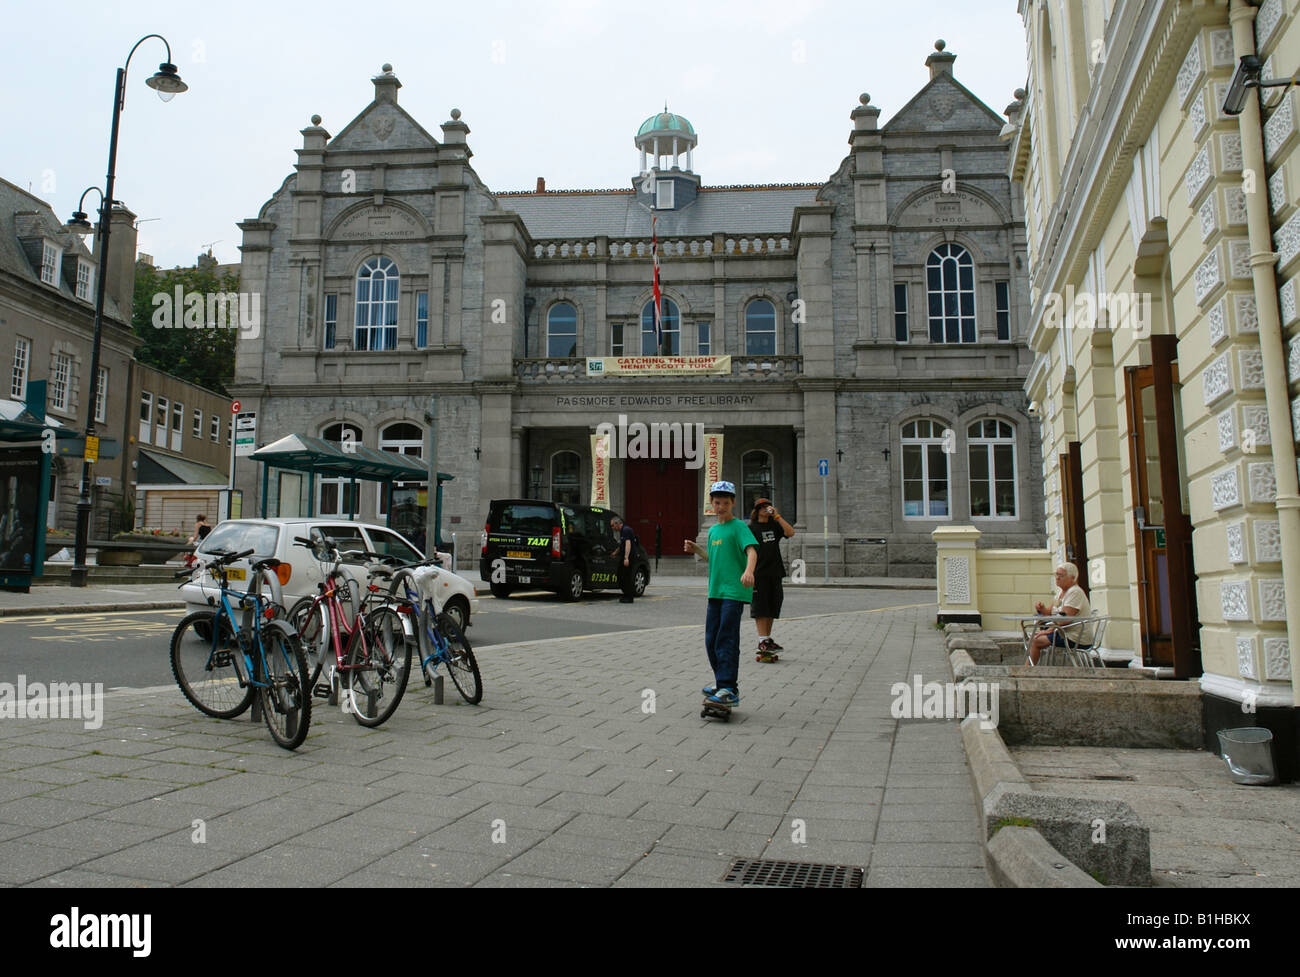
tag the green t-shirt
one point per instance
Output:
(727, 543)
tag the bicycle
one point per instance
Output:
(220, 663)
(441, 640)
(375, 662)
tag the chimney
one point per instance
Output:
(541, 184)
(119, 282)
(940, 63)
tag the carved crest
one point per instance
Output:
(944, 105)
(384, 127)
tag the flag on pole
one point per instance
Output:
(654, 252)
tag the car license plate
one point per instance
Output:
(519, 554)
(524, 579)
(235, 573)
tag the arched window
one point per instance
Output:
(755, 480)
(410, 499)
(562, 330)
(926, 446)
(565, 487)
(760, 328)
(672, 324)
(337, 496)
(376, 302)
(950, 286)
(992, 452)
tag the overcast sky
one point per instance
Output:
(553, 88)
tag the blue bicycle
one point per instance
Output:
(439, 639)
(220, 663)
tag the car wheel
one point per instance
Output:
(500, 590)
(576, 585)
(457, 609)
(640, 580)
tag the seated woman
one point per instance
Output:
(1071, 601)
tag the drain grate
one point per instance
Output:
(793, 875)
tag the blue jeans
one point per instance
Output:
(722, 641)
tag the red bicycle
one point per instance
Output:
(363, 642)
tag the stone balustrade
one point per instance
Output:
(669, 248)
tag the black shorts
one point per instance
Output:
(768, 594)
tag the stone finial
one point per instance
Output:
(864, 98)
(315, 120)
(386, 85)
(455, 115)
(387, 69)
(940, 61)
(940, 44)
(1019, 94)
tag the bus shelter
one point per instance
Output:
(318, 458)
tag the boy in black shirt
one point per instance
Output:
(769, 529)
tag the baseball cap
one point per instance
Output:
(761, 503)
(722, 488)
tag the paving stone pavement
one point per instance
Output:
(1206, 831)
(587, 764)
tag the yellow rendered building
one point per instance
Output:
(1164, 251)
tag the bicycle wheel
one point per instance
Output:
(286, 696)
(207, 677)
(377, 682)
(311, 621)
(461, 664)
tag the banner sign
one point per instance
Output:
(660, 366)
(712, 466)
(600, 470)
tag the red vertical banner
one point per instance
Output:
(659, 315)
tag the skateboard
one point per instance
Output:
(717, 710)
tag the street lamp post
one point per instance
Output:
(168, 84)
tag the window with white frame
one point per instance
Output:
(101, 395)
(160, 422)
(672, 329)
(565, 469)
(900, 312)
(84, 279)
(22, 357)
(703, 330)
(61, 377)
(1002, 297)
(376, 305)
(214, 429)
(562, 330)
(51, 262)
(196, 431)
(331, 319)
(927, 445)
(338, 496)
(760, 328)
(178, 424)
(146, 417)
(403, 439)
(991, 447)
(950, 289)
(421, 320)
(664, 195)
(616, 339)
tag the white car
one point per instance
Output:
(275, 538)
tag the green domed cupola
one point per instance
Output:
(666, 122)
(662, 135)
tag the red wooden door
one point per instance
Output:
(666, 493)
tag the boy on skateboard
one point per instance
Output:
(732, 554)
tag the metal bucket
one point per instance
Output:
(1249, 755)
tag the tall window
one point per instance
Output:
(196, 430)
(61, 377)
(84, 279)
(992, 450)
(1002, 293)
(331, 319)
(950, 287)
(409, 498)
(214, 430)
(565, 487)
(925, 469)
(51, 259)
(755, 479)
(562, 330)
(702, 329)
(421, 319)
(900, 312)
(146, 416)
(337, 495)
(760, 328)
(376, 318)
(101, 394)
(672, 326)
(664, 194)
(160, 422)
(22, 356)
(616, 339)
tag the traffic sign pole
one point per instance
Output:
(823, 469)
(230, 479)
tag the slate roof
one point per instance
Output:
(161, 469)
(37, 219)
(617, 213)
